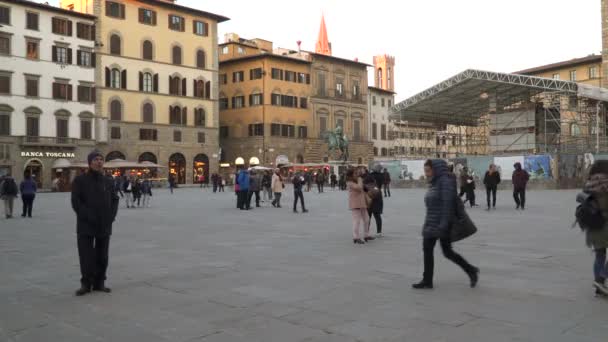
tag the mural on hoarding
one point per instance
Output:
(538, 166)
(505, 165)
(479, 165)
(392, 166)
(412, 170)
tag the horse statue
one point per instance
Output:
(338, 141)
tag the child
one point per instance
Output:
(376, 206)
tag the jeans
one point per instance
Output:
(491, 190)
(257, 198)
(28, 203)
(297, 194)
(8, 206)
(277, 199)
(428, 247)
(129, 199)
(378, 218)
(519, 195)
(387, 190)
(93, 255)
(146, 200)
(360, 218)
(600, 269)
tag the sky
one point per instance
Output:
(431, 40)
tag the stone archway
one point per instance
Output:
(200, 167)
(177, 168)
(35, 168)
(115, 155)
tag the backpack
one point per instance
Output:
(588, 214)
(9, 187)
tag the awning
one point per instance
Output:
(151, 165)
(61, 164)
(121, 164)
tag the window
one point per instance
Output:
(31, 86)
(5, 15)
(374, 100)
(303, 78)
(339, 88)
(287, 131)
(5, 83)
(31, 21)
(147, 50)
(85, 58)
(384, 152)
(177, 23)
(32, 49)
(302, 132)
(223, 79)
(275, 130)
(62, 26)
(147, 16)
(86, 130)
(62, 55)
(32, 126)
(374, 131)
(340, 123)
(375, 151)
(5, 123)
(178, 116)
(200, 59)
(322, 126)
(223, 103)
(116, 79)
(115, 10)
(147, 82)
(575, 130)
(276, 74)
(199, 88)
(147, 114)
(256, 130)
(238, 76)
(321, 84)
(275, 99)
(224, 50)
(148, 134)
(177, 136)
(290, 76)
(177, 86)
(255, 74)
(382, 102)
(85, 31)
(115, 48)
(115, 110)
(240, 50)
(383, 132)
(593, 72)
(86, 93)
(62, 91)
(176, 53)
(356, 91)
(5, 44)
(201, 137)
(200, 28)
(256, 99)
(303, 102)
(390, 103)
(199, 117)
(555, 76)
(62, 130)
(224, 130)
(572, 75)
(115, 133)
(238, 102)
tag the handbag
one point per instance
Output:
(462, 225)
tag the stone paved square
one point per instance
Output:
(194, 268)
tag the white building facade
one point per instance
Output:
(380, 101)
(47, 90)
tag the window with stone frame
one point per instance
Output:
(147, 16)
(5, 15)
(199, 117)
(200, 28)
(32, 48)
(115, 133)
(147, 50)
(115, 10)
(115, 45)
(5, 123)
(86, 129)
(177, 23)
(201, 137)
(5, 82)
(177, 136)
(32, 85)
(5, 44)
(115, 110)
(61, 26)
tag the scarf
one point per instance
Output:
(597, 183)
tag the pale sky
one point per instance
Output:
(431, 39)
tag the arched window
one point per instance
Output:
(178, 115)
(147, 82)
(115, 44)
(380, 77)
(148, 50)
(199, 88)
(115, 110)
(200, 59)
(575, 130)
(115, 80)
(147, 113)
(176, 52)
(115, 155)
(199, 117)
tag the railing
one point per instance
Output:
(48, 141)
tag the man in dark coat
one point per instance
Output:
(520, 181)
(298, 182)
(491, 181)
(95, 202)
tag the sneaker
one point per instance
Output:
(102, 288)
(82, 291)
(370, 238)
(358, 242)
(422, 286)
(601, 288)
(304, 211)
(379, 235)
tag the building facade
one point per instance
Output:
(379, 102)
(157, 81)
(47, 89)
(586, 70)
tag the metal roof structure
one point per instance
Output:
(464, 98)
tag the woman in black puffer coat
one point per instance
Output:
(440, 203)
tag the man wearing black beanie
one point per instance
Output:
(95, 202)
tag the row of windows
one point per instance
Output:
(61, 90)
(402, 150)
(178, 115)
(356, 129)
(147, 52)
(340, 89)
(32, 127)
(382, 101)
(592, 73)
(276, 130)
(59, 26)
(151, 134)
(61, 53)
(258, 100)
(384, 135)
(149, 17)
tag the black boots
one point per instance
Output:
(423, 285)
(474, 276)
(102, 288)
(83, 290)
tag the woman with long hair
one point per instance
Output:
(277, 187)
(358, 206)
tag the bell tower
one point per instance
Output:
(384, 72)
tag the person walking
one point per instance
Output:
(342, 184)
(308, 179)
(243, 180)
(277, 187)
(221, 182)
(127, 189)
(146, 191)
(28, 194)
(387, 183)
(464, 176)
(491, 181)
(320, 180)
(8, 193)
(214, 182)
(267, 186)
(95, 203)
(333, 180)
(358, 206)
(298, 182)
(171, 182)
(137, 192)
(440, 201)
(255, 184)
(469, 189)
(520, 180)
(375, 208)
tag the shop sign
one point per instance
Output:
(49, 154)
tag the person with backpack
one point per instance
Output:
(8, 193)
(298, 183)
(28, 193)
(520, 180)
(592, 217)
(243, 181)
(491, 181)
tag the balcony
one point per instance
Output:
(49, 141)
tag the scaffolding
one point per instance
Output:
(486, 113)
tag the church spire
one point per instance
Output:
(323, 44)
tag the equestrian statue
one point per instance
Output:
(337, 141)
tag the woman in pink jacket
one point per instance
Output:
(358, 206)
